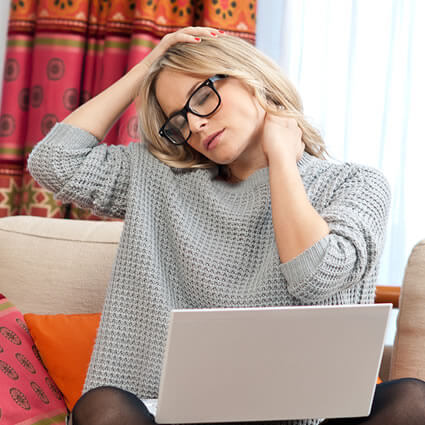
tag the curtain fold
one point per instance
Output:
(4, 17)
(60, 53)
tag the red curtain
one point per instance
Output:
(62, 52)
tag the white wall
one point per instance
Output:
(4, 17)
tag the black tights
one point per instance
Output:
(398, 402)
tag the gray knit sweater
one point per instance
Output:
(192, 241)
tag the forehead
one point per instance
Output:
(173, 88)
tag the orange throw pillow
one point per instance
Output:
(65, 343)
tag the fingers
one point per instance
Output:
(291, 122)
(284, 120)
(202, 31)
(194, 34)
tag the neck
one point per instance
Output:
(239, 174)
(252, 159)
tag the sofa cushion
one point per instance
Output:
(408, 359)
(27, 392)
(65, 343)
(52, 265)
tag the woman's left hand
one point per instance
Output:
(282, 136)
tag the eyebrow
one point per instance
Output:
(194, 87)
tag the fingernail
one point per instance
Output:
(222, 32)
(197, 39)
(213, 33)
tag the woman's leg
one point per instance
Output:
(110, 406)
(397, 402)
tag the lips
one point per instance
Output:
(209, 139)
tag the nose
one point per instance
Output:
(196, 123)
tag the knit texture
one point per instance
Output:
(192, 241)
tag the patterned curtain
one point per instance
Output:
(60, 53)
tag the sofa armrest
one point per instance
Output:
(388, 294)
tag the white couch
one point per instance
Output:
(50, 266)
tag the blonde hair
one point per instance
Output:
(223, 55)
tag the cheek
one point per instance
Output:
(194, 142)
(239, 112)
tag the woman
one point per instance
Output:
(227, 203)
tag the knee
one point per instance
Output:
(413, 391)
(412, 386)
(104, 405)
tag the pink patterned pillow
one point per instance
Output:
(28, 394)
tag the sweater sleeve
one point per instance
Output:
(72, 164)
(357, 215)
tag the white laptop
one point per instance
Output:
(278, 363)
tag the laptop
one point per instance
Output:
(273, 363)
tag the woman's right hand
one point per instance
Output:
(187, 34)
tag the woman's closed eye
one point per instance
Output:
(204, 99)
(179, 122)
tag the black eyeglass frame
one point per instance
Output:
(184, 111)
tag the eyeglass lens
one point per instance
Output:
(203, 102)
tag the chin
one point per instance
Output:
(224, 158)
(223, 162)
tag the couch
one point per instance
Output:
(50, 266)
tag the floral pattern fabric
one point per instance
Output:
(60, 53)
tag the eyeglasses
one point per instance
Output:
(203, 101)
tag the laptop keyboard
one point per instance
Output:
(151, 404)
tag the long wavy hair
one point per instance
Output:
(236, 58)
